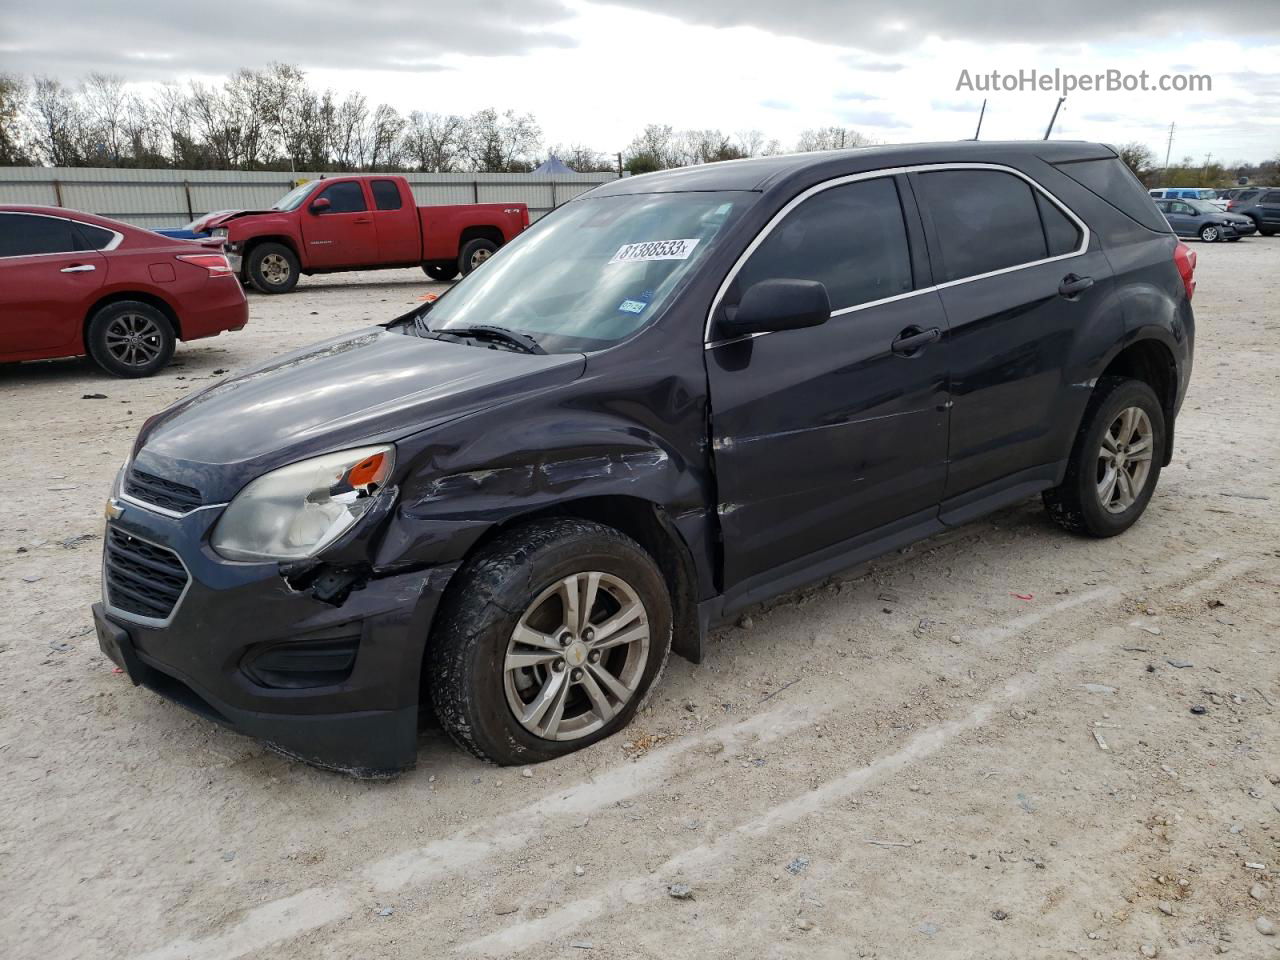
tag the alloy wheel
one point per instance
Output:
(577, 656)
(479, 257)
(134, 339)
(275, 269)
(1124, 459)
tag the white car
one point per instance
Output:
(1188, 193)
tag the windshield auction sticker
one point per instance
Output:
(655, 250)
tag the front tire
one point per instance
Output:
(1210, 234)
(131, 339)
(273, 268)
(474, 253)
(549, 641)
(1115, 463)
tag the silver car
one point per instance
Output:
(1199, 218)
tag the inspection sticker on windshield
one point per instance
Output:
(655, 250)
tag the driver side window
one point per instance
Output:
(851, 238)
(345, 197)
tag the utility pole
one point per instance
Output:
(1053, 119)
(619, 164)
(981, 113)
(1169, 149)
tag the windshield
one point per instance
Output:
(1204, 206)
(594, 271)
(293, 199)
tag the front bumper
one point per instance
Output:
(1239, 229)
(205, 654)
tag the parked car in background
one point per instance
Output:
(675, 397)
(1262, 206)
(1200, 218)
(1189, 193)
(74, 283)
(359, 223)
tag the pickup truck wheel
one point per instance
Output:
(130, 339)
(273, 268)
(550, 640)
(474, 253)
(1115, 463)
(441, 272)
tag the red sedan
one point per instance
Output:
(73, 283)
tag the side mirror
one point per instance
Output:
(320, 205)
(777, 305)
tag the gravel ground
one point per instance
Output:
(911, 760)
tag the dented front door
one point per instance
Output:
(823, 434)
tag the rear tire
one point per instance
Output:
(517, 632)
(273, 268)
(131, 339)
(1104, 449)
(474, 253)
(440, 272)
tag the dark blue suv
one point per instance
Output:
(673, 398)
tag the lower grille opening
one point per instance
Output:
(303, 663)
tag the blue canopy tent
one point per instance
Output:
(552, 164)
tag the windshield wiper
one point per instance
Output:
(483, 331)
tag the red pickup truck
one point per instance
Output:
(359, 223)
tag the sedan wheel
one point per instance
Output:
(1124, 460)
(1209, 233)
(577, 656)
(134, 340)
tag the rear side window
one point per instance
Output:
(851, 238)
(386, 195)
(1115, 183)
(984, 221)
(344, 197)
(1060, 231)
(22, 235)
(94, 238)
(1272, 196)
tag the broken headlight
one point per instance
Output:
(298, 510)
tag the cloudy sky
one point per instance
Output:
(595, 72)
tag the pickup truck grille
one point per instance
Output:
(142, 578)
(160, 492)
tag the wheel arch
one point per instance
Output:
(283, 239)
(643, 521)
(1152, 362)
(480, 232)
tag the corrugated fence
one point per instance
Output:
(172, 198)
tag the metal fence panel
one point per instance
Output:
(171, 198)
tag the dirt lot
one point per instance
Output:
(908, 761)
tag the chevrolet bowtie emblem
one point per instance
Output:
(114, 509)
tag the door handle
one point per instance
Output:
(912, 340)
(79, 268)
(1072, 285)
(363, 220)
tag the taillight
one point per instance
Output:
(215, 263)
(1185, 258)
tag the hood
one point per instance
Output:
(220, 218)
(376, 385)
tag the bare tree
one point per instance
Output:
(583, 159)
(13, 95)
(1139, 158)
(56, 123)
(385, 143)
(433, 141)
(501, 142)
(832, 138)
(105, 107)
(350, 124)
(652, 149)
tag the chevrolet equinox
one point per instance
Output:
(670, 399)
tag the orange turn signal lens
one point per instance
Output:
(369, 470)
